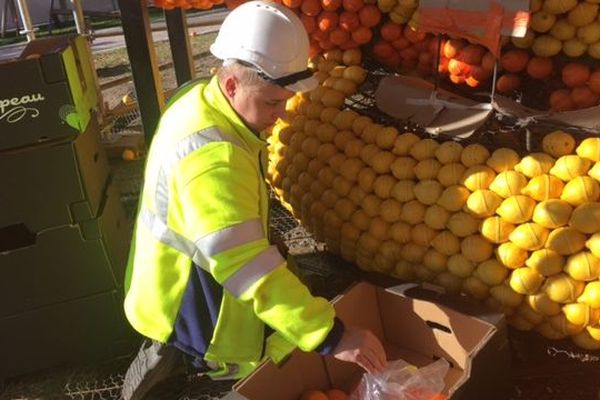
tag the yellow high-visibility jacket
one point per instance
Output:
(204, 205)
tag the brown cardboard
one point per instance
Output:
(414, 325)
(438, 111)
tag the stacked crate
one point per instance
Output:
(63, 233)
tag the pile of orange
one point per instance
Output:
(188, 4)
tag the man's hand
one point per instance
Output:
(362, 347)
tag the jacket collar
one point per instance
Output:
(217, 99)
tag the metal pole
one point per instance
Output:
(26, 18)
(140, 49)
(180, 45)
(78, 16)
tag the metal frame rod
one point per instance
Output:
(140, 49)
(26, 19)
(78, 16)
(180, 45)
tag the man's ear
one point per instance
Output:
(230, 87)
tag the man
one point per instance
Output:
(202, 278)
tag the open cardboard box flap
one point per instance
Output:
(437, 110)
(413, 328)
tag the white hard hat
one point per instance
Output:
(271, 38)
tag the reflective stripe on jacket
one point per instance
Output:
(205, 202)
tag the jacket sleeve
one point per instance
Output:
(219, 199)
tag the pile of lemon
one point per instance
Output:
(521, 234)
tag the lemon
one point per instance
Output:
(436, 217)
(435, 261)
(404, 270)
(591, 294)
(403, 190)
(583, 266)
(595, 171)
(511, 255)
(569, 167)
(475, 288)
(525, 280)
(508, 183)
(543, 187)
(520, 323)
(427, 169)
(586, 218)
(453, 198)
(582, 189)
(449, 152)
(529, 236)
(541, 303)
(424, 149)
(547, 331)
(446, 243)
(546, 46)
(478, 177)
(590, 148)
(403, 143)
(565, 241)
(462, 224)
(474, 154)
(448, 281)
(422, 234)
(483, 203)
(593, 244)
(552, 213)
(530, 314)
(585, 341)
(558, 143)
(561, 288)
(413, 252)
(495, 229)
(491, 272)
(451, 174)
(460, 266)
(535, 164)
(546, 262)
(562, 324)
(476, 248)
(506, 296)
(594, 331)
(428, 191)
(503, 159)
(581, 314)
(516, 209)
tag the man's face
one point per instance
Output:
(260, 106)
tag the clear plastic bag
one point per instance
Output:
(403, 381)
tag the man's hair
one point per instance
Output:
(246, 74)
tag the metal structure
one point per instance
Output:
(146, 77)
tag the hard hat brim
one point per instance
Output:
(304, 85)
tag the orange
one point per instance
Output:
(583, 97)
(336, 394)
(594, 81)
(507, 83)
(457, 67)
(327, 21)
(339, 36)
(451, 47)
(383, 50)
(414, 36)
(560, 100)
(349, 44)
(349, 21)
(289, 3)
(575, 74)
(369, 15)
(314, 395)
(353, 5)
(472, 54)
(331, 5)
(311, 7)
(390, 31)
(514, 60)
(488, 61)
(540, 67)
(362, 35)
(310, 23)
(401, 43)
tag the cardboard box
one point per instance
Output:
(82, 330)
(66, 263)
(54, 184)
(49, 92)
(415, 325)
